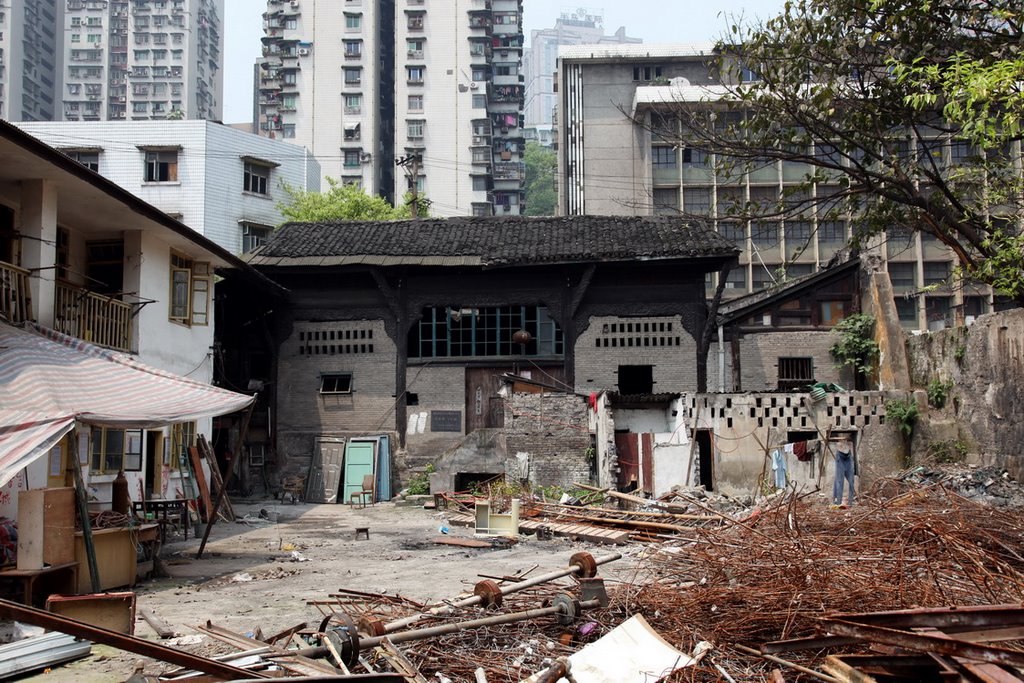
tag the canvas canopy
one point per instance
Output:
(49, 380)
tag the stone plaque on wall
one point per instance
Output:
(445, 421)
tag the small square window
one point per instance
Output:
(255, 178)
(415, 102)
(336, 383)
(161, 167)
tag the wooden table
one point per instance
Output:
(164, 512)
(62, 578)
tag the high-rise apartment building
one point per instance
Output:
(582, 27)
(143, 59)
(97, 60)
(30, 59)
(610, 163)
(402, 95)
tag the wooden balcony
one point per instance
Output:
(96, 318)
(15, 299)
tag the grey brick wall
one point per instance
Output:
(660, 341)
(760, 353)
(361, 347)
(553, 430)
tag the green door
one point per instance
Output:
(358, 463)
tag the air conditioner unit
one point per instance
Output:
(474, 85)
(303, 51)
(365, 157)
(295, 4)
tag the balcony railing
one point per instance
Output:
(15, 301)
(93, 317)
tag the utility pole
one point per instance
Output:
(412, 164)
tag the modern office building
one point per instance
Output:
(30, 59)
(222, 182)
(396, 95)
(582, 27)
(609, 163)
(98, 60)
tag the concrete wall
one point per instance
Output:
(986, 364)
(437, 388)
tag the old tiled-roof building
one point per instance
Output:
(405, 328)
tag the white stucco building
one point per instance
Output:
(222, 182)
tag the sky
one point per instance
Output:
(656, 21)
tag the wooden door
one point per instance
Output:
(485, 408)
(627, 448)
(57, 475)
(359, 462)
(325, 472)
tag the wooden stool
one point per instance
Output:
(364, 531)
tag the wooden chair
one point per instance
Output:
(360, 497)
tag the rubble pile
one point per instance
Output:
(990, 485)
(771, 577)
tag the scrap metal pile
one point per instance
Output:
(774, 576)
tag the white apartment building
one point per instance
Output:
(222, 182)
(540, 59)
(402, 94)
(30, 59)
(142, 59)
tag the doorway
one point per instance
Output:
(706, 459)
(485, 408)
(154, 460)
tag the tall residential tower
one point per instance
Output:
(30, 59)
(402, 95)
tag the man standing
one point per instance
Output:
(844, 470)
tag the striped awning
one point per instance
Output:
(49, 380)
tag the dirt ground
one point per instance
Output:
(399, 557)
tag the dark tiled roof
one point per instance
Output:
(491, 241)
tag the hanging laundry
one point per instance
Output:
(779, 468)
(801, 452)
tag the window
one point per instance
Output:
(906, 309)
(646, 73)
(479, 101)
(735, 232)
(351, 158)
(903, 275)
(353, 104)
(291, 23)
(695, 157)
(697, 200)
(415, 102)
(666, 201)
(636, 379)
(765, 234)
(288, 130)
(480, 183)
(446, 332)
(798, 238)
(479, 73)
(353, 75)
(255, 178)
(114, 450)
(162, 167)
(415, 22)
(190, 288)
(737, 279)
(91, 160)
(353, 21)
(832, 232)
(414, 74)
(353, 48)
(663, 157)
(183, 437)
(288, 101)
(832, 312)
(415, 129)
(795, 373)
(253, 236)
(936, 272)
(353, 131)
(336, 383)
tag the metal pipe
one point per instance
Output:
(146, 648)
(445, 629)
(446, 608)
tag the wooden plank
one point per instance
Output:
(461, 542)
(200, 475)
(226, 509)
(161, 627)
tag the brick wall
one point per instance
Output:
(553, 430)
(359, 346)
(760, 353)
(659, 341)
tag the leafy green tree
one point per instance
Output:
(904, 114)
(541, 164)
(341, 202)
